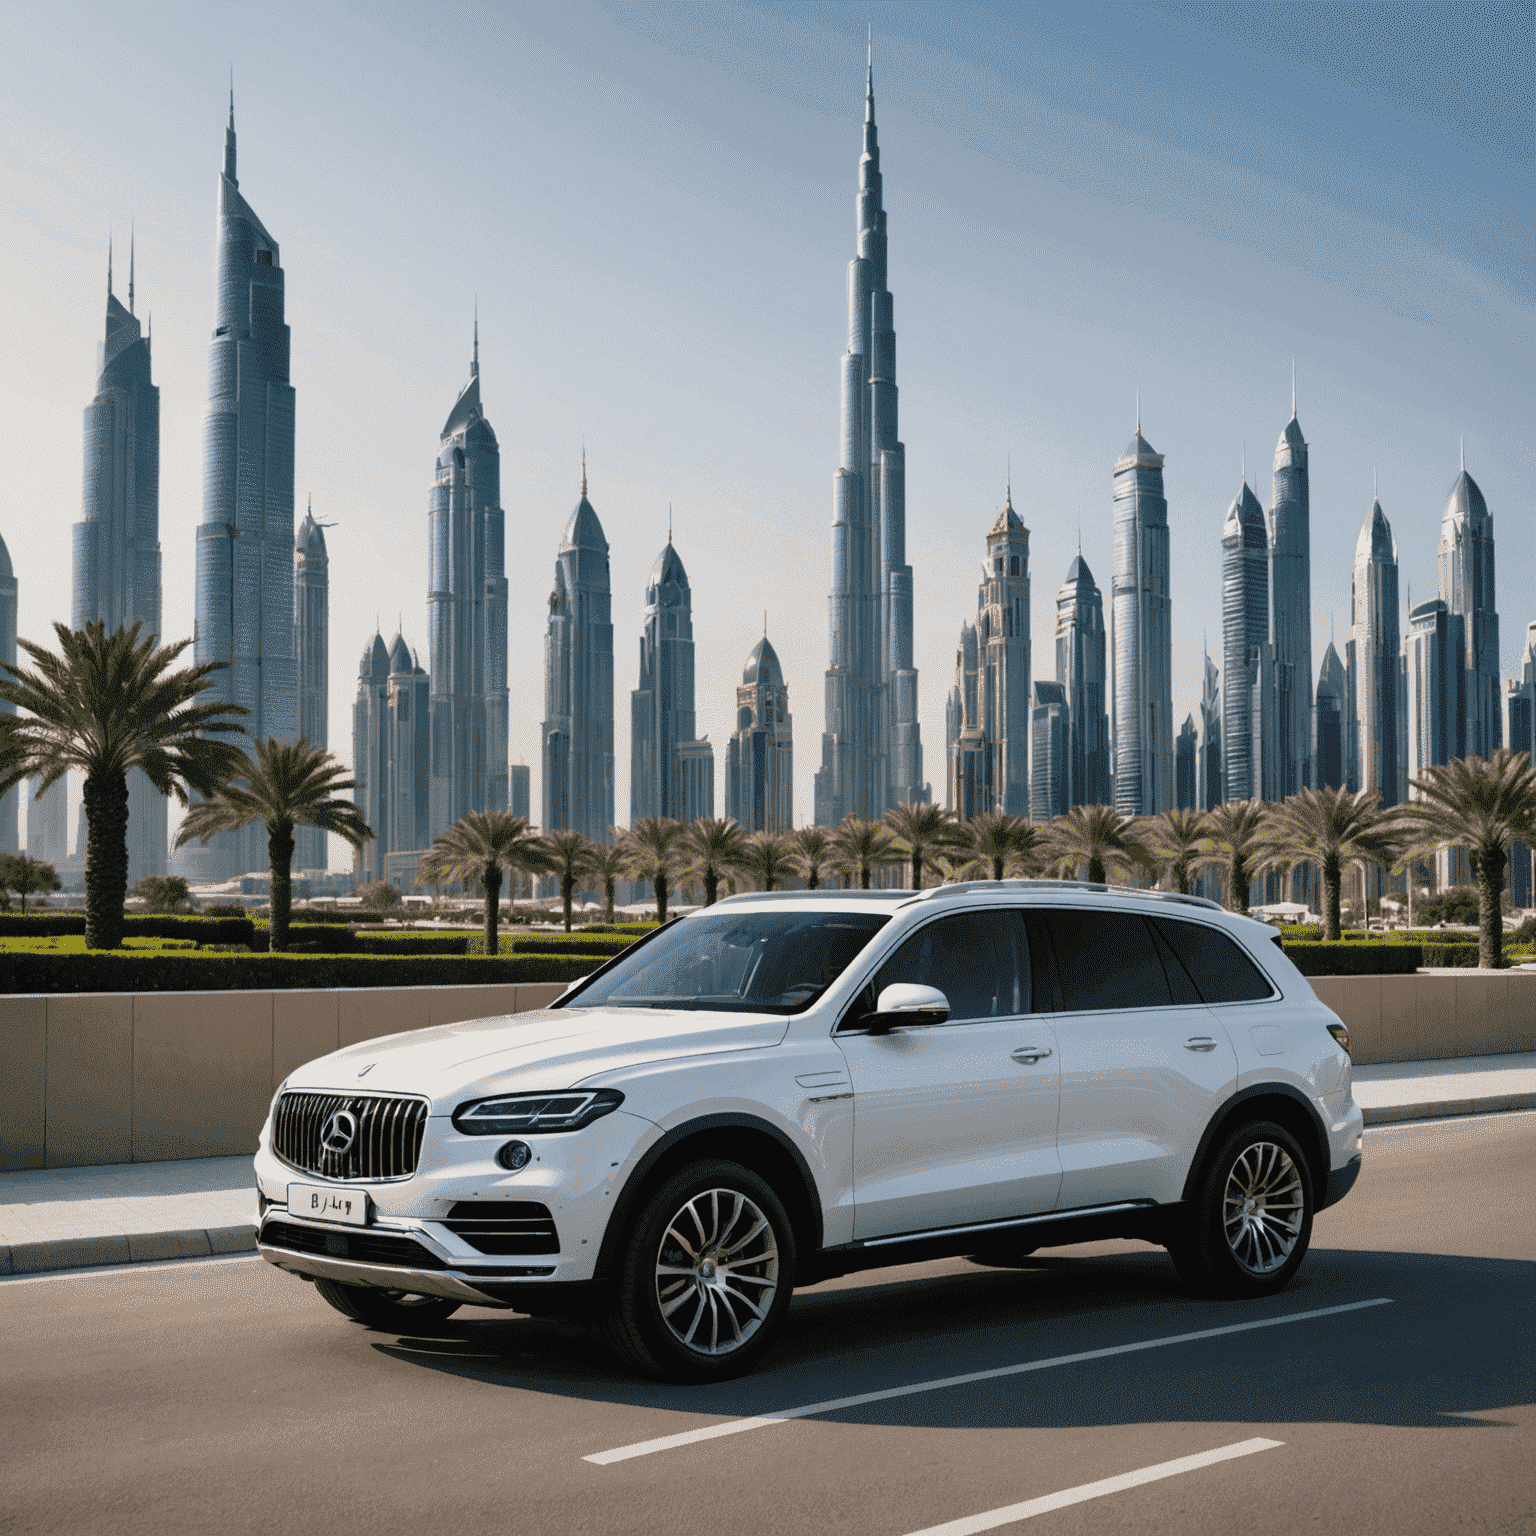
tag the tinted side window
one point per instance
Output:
(977, 960)
(1223, 973)
(1106, 960)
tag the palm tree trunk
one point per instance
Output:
(1241, 884)
(812, 878)
(1096, 870)
(608, 884)
(997, 868)
(864, 875)
(1333, 881)
(917, 868)
(106, 859)
(490, 879)
(280, 866)
(1489, 871)
(659, 889)
(567, 891)
(711, 886)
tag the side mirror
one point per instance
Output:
(904, 1004)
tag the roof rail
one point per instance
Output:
(841, 894)
(967, 887)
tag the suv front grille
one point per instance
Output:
(387, 1144)
(361, 1247)
(504, 1226)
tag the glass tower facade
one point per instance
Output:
(311, 644)
(1467, 588)
(1290, 563)
(662, 719)
(1246, 654)
(1374, 656)
(1081, 670)
(760, 757)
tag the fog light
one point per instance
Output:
(514, 1155)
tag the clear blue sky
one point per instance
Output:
(655, 206)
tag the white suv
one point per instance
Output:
(789, 1086)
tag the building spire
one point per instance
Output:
(109, 261)
(1138, 410)
(130, 268)
(583, 469)
(1293, 389)
(474, 361)
(669, 522)
(229, 133)
(1463, 455)
(1008, 485)
(869, 79)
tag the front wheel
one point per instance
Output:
(1250, 1220)
(392, 1311)
(705, 1276)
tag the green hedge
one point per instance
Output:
(1463, 955)
(189, 971)
(1388, 958)
(578, 942)
(163, 925)
(333, 939)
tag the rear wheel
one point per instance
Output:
(393, 1311)
(705, 1276)
(1250, 1220)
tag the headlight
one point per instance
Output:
(568, 1111)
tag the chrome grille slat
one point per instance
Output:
(390, 1131)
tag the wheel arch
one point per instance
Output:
(754, 1143)
(1285, 1105)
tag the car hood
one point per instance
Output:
(552, 1048)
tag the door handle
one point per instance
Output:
(1199, 1043)
(1028, 1055)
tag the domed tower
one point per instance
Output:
(578, 681)
(311, 644)
(410, 770)
(1081, 670)
(11, 799)
(667, 764)
(1247, 705)
(1372, 658)
(1290, 562)
(467, 614)
(760, 757)
(1466, 588)
(370, 756)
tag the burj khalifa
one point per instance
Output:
(871, 753)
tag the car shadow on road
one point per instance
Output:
(1448, 1348)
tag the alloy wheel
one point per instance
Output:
(1263, 1207)
(717, 1272)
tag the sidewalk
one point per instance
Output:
(133, 1213)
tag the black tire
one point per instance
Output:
(392, 1311)
(1247, 1226)
(675, 1315)
(1010, 1257)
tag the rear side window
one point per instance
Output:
(978, 960)
(1106, 960)
(1216, 962)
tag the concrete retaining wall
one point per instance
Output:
(118, 1077)
(144, 1077)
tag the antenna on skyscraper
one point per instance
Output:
(474, 362)
(1293, 389)
(1138, 410)
(583, 467)
(1463, 455)
(130, 272)
(109, 261)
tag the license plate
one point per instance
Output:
(321, 1202)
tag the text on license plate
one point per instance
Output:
(321, 1203)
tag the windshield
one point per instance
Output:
(738, 962)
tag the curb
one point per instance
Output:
(1443, 1109)
(126, 1248)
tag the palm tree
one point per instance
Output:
(1098, 839)
(919, 829)
(766, 859)
(1178, 842)
(859, 847)
(289, 785)
(480, 846)
(715, 846)
(998, 840)
(1332, 828)
(570, 858)
(810, 849)
(608, 865)
(1238, 842)
(107, 704)
(1482, 805)
(655, 852)
(27, 876)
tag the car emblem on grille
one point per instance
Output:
(369, 1068)
(339, 1132)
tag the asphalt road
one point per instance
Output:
(222, 1396)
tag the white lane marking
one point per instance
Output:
(835, 1404)
(972, 1524)
(204, 1261)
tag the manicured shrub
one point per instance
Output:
(603, 945)
(1460, 955)
(161, 925)
(193, 971)
(1384, 958)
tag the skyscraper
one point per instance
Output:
(1522, 738)
(1333, 710)
(48, 824)
(578, 682)
(10, 800)
(1081, 670)
(1050, 775)
(1435, 694)
(760, 755)
(1142, 638)
(311, 644)
(467, 614)
(1374, 650)
(1186, 757)
(662, 719)
(1290, 563)
(871, 753)
(1467, 588)
(518, 804)
(117, 540)
(391, 754)
(245, 541)
(1211, 781)
(370, 756)
(1246, 661)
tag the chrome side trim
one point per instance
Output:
(1004, 1226)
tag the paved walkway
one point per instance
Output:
(133, 1213)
